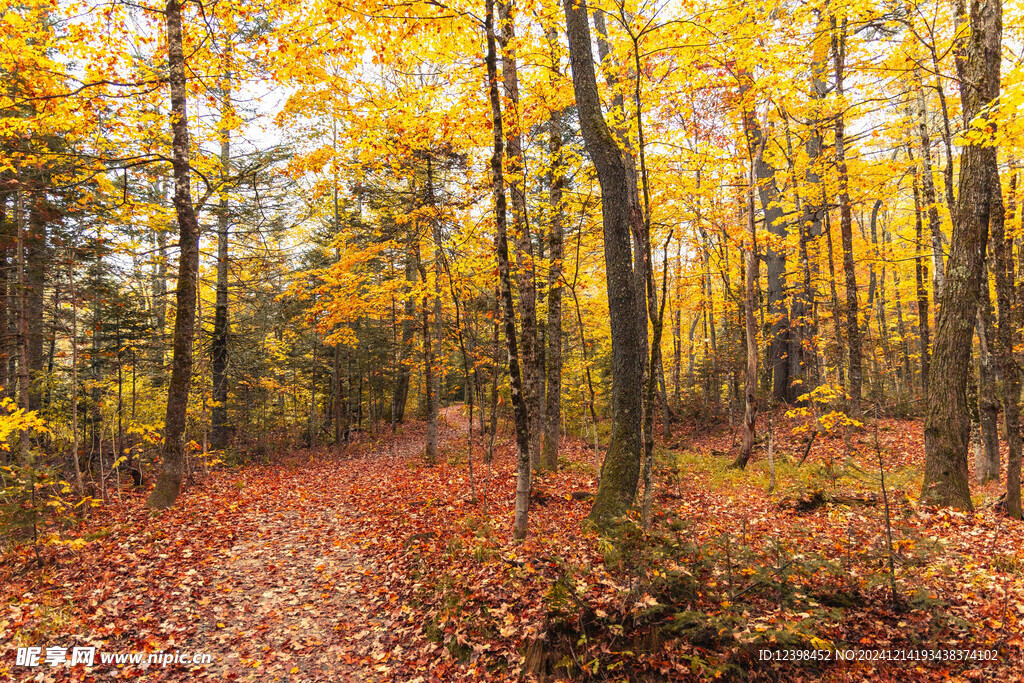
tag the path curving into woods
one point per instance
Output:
(297, 597)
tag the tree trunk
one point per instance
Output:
(803, 351)
(779, 343)
(24, 378)
(928, 188)
(882, 300)
(168, 485)
(620, 217)
(430, 448)
(988, 403)
(654, 366)
(492, 431)
(615, 77)
(433, 406)
(752, 275)
(400, 391)
(73, 300)
(4, 300)
(658, 325)
(523, 472)
(947, 422)
(1006, 338)
(921, 276)
(36, 262)
(521, 235)
(159, 288)
(900, 322)
(677, 326)
(837, 327)
(853, 334)
(553, 361)
(219, 343)
(709, 306)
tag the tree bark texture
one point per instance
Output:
(1006, 338)
(947, 420)
(920, 277)
(168, 484)
(780, 344)
(519, 408)
(521, 234)
(553, 361)
(620, 217)
(987, 468)
(928, 188)
(752, 275)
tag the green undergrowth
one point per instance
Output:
(828, 479)
(711, 606)
(696, 595)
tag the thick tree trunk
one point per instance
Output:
(618, 83)
(168, 485)
(621, 216)
(523, 471)
(947, 422)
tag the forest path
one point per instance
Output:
(298, 597)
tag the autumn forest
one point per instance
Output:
(497, 340)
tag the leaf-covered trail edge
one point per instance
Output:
(322, 567)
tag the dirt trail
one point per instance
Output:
(288, 600)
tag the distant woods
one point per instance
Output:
(226, 233)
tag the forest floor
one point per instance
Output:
(371, 565)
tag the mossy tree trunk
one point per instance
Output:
(621, 216)
(947, 420)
